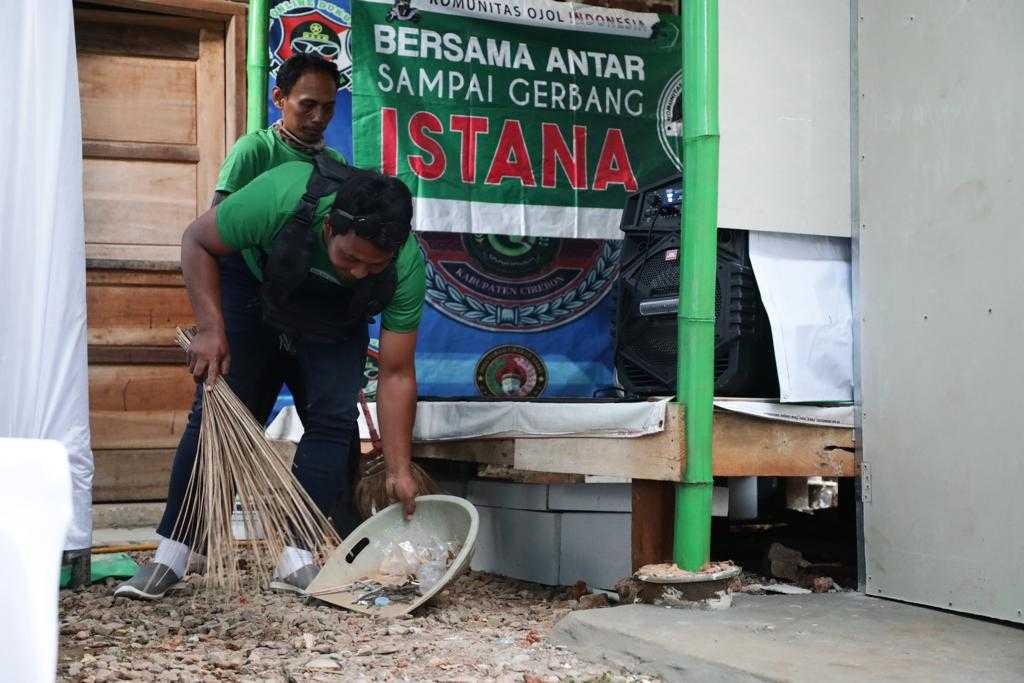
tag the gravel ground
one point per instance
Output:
(482, 628)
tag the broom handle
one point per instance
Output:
(365, 407)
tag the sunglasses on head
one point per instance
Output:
(388, 235)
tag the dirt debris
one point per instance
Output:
(482, 628)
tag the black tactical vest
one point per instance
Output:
(306, 306)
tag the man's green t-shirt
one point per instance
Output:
(250, 218)
(255, 153)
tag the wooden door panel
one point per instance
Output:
(140, 387)
(138, 202)
(130, 315)
(137, 99)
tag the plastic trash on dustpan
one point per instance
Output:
(389, 566)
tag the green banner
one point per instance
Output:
(525, 118)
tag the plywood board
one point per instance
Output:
(140, 387)
(138, 202)
(137, 99)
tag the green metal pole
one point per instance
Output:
(696, 316)
(257, 65)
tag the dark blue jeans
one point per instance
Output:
(324, 380)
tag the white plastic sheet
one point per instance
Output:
(805, 286)
(43, 365)
(35, 510)
(453, 420)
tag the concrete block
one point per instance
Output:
(596, 547)
(507, 494)
(521, 544)
(591, 497)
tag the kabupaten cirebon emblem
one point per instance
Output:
(526, 284)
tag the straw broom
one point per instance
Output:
(372, 492)
(235, 459)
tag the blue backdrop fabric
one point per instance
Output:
(504, 316)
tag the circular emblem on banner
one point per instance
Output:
(312, 31)
(526, 284)
(670, 119)
(514, 257)
(511, 371)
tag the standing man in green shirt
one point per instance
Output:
(306, 88)
(260, 325)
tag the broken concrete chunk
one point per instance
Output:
(785, 563)
(593, 601)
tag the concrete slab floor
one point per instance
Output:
(831, 637)
(130, 536)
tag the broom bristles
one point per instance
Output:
(233, 460)
(372, 493)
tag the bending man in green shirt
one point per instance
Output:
(306, 328)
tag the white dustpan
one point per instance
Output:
(446, 518)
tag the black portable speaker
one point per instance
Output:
(647, 304)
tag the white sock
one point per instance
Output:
(172, 554)
(292, 560)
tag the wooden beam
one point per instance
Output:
(106, 16)
(220, 10)
(507, 473)
(746, 446)
(743, 446)
(483, 451)
(150, 277)
(654, 507)
(111, 38)
(131, 475)
(137, 355)
(141, 256)
(657, 456)
(152, 151)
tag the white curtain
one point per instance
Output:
(43, 364)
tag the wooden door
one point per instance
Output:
(153, 129)
(160, 104)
